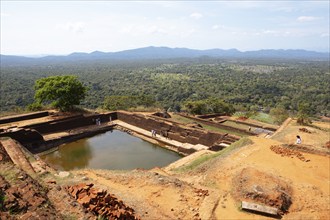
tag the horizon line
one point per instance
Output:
(242, 51)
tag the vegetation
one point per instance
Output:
(62, 91)
(248, 85)
(202, 159)
(181, 119)
(207, 106)
(303, 114)
(279, 114)
(127, 102)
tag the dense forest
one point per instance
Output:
(247, 84)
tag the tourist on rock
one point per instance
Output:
(298, 141)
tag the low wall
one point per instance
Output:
(207, 116)
(218, 125)
(31, 136)
(174, 131)
(28, 116)
(254, 125)
(71, 123)
(46, 145)
(24, 136)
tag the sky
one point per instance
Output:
(63, 27)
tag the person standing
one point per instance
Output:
(298, 141)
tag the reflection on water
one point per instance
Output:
(111, 150)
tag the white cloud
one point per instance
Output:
(269, 32)
(307, 18)
(220, 26)
(76, 27)
(325, 35)
(215, 27)
(4, 14)
(196, 15)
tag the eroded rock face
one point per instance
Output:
(26, 199)
(162, 114)
(3, 155)
(262, 188)
(101, 203)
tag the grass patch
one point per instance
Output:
(2, 200)
(202, 159)
(263, 117)
(68, 216)
(181, 119)
(9, 172)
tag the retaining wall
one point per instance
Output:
(207, 116)
(218, 125)
(46, 145)
(174, 131)
(24, 136)
(71, 123)
(28, 116)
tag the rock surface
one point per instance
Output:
(101, 203)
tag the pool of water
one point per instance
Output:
(114, 150)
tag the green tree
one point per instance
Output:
(62, 92)
(207, 106)
(117, 102)
(303, 114)
(279, 114)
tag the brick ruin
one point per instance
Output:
(101, 203)
(32, 136)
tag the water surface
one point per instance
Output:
(113, 150)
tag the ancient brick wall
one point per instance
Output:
(174, 131)
(72, 122)
(10, 119)
(24, 136)
(218, 125)
(210, 115)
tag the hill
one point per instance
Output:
(169, 53)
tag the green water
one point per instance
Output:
(114, 150)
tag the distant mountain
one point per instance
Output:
(170, 53)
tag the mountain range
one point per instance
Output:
(171, 53)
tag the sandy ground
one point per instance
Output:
(207, 191)
(309, 181)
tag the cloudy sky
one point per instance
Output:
(63, 27)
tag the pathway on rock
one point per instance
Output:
(151, 194)
(14, 150)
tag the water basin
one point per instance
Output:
(114, 150)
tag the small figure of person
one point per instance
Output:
(155, 133)
(249, 128)
(152, 132)
(298, 141)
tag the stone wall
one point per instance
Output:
(15, 118)
(207, 116)
(174, 131)
(71, 123)
(218, 125)
(24, 136)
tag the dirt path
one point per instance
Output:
(309, 180)
(153, 195)
(284, 125)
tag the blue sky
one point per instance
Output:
(63, 27)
